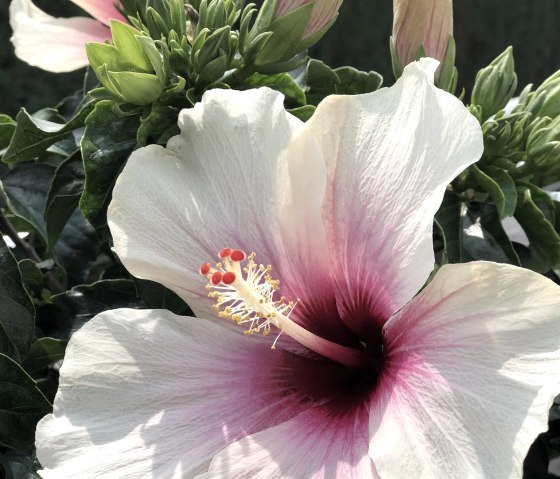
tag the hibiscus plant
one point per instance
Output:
(225, 259)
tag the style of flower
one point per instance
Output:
(58, 44)
(366, 379)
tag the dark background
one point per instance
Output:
(360, 37)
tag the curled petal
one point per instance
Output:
(390, 155)
(152, 394)
(243, 173)
(473, 367)
(53, 44)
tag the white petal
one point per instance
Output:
(102, 10)
(148, 394)
(390, 155)
(53, 44)
(473, 367)
(320, 443)
(241, 174)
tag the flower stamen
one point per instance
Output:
(249, 295)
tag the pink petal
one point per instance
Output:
(243, 173)
(102, 10)
(473, 367)
(53, 44)
(390, 155)
(320, 443)
(152, 394)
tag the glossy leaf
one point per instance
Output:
(16, 310)
(108, 140)
(21, 405)
(33, 135)
(43, 353)
(63, 196)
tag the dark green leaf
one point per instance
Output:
(160, 119)
(43, 353)
(156, 296)
(108, 140)
(7, 128)
(281, 82)
(304, 113)
(26, 187)
(499, 185)
(76, 248)
(21, 405)
(63, 196)
(465, 235)
(33, 135)
(534, 214)
(72, 309)
(16, 465)
(16, 310)
(31, 276)
(321, 81)
(354, 82)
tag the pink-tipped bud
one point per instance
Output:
(421, 28)
(323, 13)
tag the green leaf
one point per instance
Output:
(466, 236)
(34, 135)
(499, 185)
(21, 405)
(535, 213)
(70, 310)
(16, 465)
(108, 140)
(63, 196)
(7, 128)
(304, 113)
(156, 296)
(159, 120)
(321, 81)
(31, 276)
(354, 82)
(26, 187)
(43, 353)
(16, 310)
(76, 248)
(281, 82)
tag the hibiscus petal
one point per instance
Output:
(390, 155)
(244, 174)
(152, 394)
(319, 443)
(53, 44)
(102, 10)
(473, 364)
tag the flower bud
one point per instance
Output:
(423, 28)
(124, 68)
(284, 28)
(495, 85)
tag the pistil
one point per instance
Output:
(249, 295)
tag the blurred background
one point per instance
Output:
(360, 37)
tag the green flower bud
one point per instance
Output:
(125, 68)
(543, 145)
(284, 28)
(495, 85)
